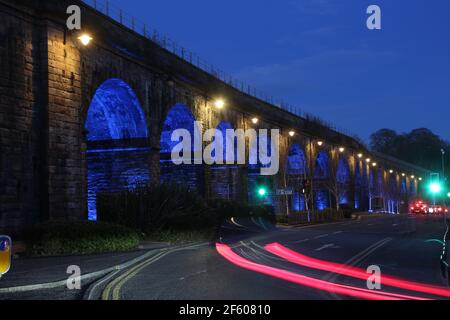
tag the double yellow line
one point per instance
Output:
(112, 290)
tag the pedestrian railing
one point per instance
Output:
(108, 8)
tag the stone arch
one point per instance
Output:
(412, 188)
(224, 178)
(344, 181)
(191, 174)
(321, 183)
(296, 176)
(393, 193)
(117, 141)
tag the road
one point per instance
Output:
(243, 267)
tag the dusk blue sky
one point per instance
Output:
(319, 55)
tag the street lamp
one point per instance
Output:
(360, 155)
(219, 104)
(341, 149)
(391, 171)
(85, 39)
(320, 143)
(255, 120)
(291, 133)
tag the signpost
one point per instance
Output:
(285, 192)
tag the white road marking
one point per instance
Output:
(321, 236)
(301, 241)
(338, 232)
(354, 261)
(330, 245)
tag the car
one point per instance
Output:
(419, 207)
(438, 209)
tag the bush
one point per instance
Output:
(347, 210)
(72, 238)
(155, 208)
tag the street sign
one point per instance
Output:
(285, 192)
(5, 254)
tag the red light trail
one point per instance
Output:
(300, 259)
(226, 252)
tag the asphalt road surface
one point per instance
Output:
(317, 262)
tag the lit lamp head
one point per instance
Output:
(320, 143)
(291, 133)
(391, 171)
(368, 160)
(255, 120)
(360, 155)
(420, 179)
(374, 164)
(413, 177)
(341, 149)
(85, 39)
(403, 174)
(219, 104)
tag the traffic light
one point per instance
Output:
(262, 191)
(435, 187)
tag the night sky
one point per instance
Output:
(319, 55)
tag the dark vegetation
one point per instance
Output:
(420, 147)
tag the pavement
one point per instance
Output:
(406, 247)
(29, 276)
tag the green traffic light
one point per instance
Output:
(435, 187)
(262, 191)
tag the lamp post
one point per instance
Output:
(443, 172)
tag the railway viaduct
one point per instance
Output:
(76, 120)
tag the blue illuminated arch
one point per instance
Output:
(322, 170)
(296, 160)
(222, 128)
(321, 174)
(343, 179)
(189, 175)
(115, 113)
(296, 174)
(412, 187)
(179, 117)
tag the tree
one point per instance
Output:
(420, 147)
(384, 141)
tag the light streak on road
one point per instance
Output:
(226, 252)
(300, 259)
